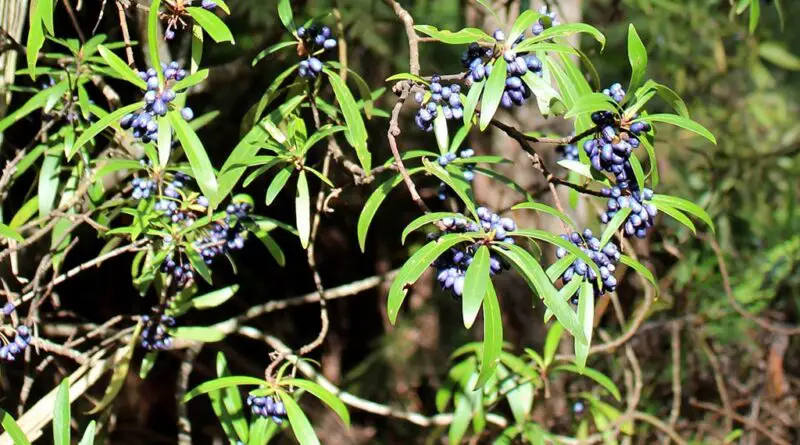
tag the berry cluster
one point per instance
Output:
(267, 406)
(178, 265)
(642, 216)
(224, 236)
(541, 24)
(568, 152)
(615, 92)
(605, 259)
(447, 97)
(154, 335)
(611, 149)
(315, 41)
(169, 34)
(451, 266)
(157, 100)
(143, 188)
(447, 158)
(10, 351)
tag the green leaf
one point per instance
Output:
(228, 405)
(120, 373)
(48, 183)
(34, 103)
(352, 116)
(426, 219)
(637, 55)
(164, 140)
(222, 382)
(640, 268)
(551, 342)
(278, 182)
(414, 267)
(440, 131)
(286, 15)
(684, 205)
(120, 67)
(495, 86)
(10, 426)
(198, 264)
(35, 37)
(212, 24)
(577, 167)
(272, 246)
(568, 29)
(589, 103)
(476, 283)
(492, 333)
(777, 54)
(532, 272)
(406, 76)
(471, 102)
(374, 202)
(680, 121)
(586, 318)
(319, 135)
(197, 47)
(678, 216)
(301, 427)
(638, 172)
(272, 49)
(25, 213)
(302, 207)
(556, 240)
(755, 14)
(202, 170)
(461, 418)
(464, 36)
(8, 232)
(153, 39)
(651, 155)
(457, 183)
(61, 415)
(190, 80)
(522, 23)
(595, 375)
(214, 298)
(46, 14)
(322, 394)
(616, 222)
(88, 434)
(198, 333)
(544, 92)
(539, 207)
(101, 125)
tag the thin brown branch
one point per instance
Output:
(741, 419)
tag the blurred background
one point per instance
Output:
(742, 86)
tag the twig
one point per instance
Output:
(652, 420)
(718, 379)
(741, 419)
(676, 374)
(187, 365)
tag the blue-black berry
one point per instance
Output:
(268, 407)
(605, 258)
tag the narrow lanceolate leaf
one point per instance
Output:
(638, 171)
(651, 155)
(222, 382)
(197, 47)
(48, 183)
(35, 38)
(493, 92)
(532, 272)
(61, 415)
(414, 267)
(680, 121)
(374, 202)
(492, 335)
(640, 268)
(523, 22)
(686, 206)
(202, 170)
(227, 405)
(46, 14)
(322, 394)
(461, 418)
(164, 142)
(556, 240)
(466, 35)
(286, 15)
(586, 318)
(215, 298)
(301, 427)
(426, 219)
(39, 100)
(471, 101)
(278, 182)
(190, 80)
(120, 373)
(440, 131)
(456, 182)
(198, 264)
(613, 226)
(153, 39)
(198, 333)
(595, 375)
(121, 67)
(101, 125)
(539, 207)
(212, 24)
(10, 426)
(302, 208)
(637, 55)
(9, 233)
(352, 116)
(476, 282)
(88, 434)
(677, 215)
(272, 49)
(551, 342)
